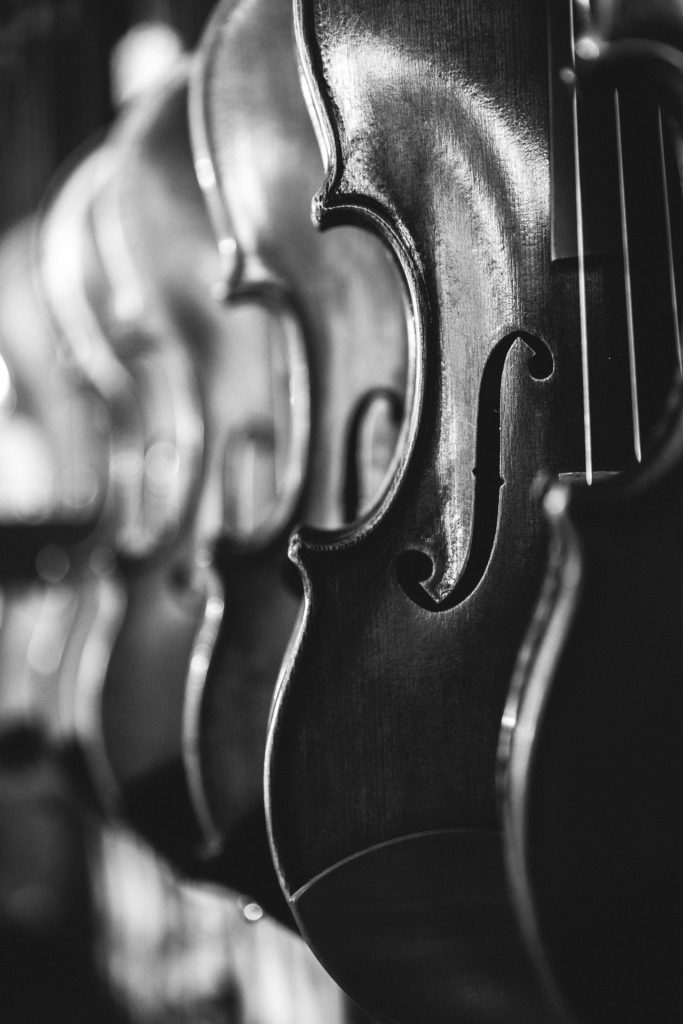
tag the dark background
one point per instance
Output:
(54, 81)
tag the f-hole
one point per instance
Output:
(414, 567)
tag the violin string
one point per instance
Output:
(628, 293)
(669, 243)
(588, 443)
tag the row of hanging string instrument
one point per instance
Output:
(446, 692)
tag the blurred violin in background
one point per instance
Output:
(48, 964)
(234, 400)
(55, 447)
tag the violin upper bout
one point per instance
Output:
(351, 191)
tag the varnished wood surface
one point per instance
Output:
(386, 721)
(392, 907)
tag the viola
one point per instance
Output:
(590, 755)
(338, 302)
(441, 133)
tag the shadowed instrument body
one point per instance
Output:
(258, 160)
(591, 763)
(380, 769)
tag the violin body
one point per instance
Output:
(380, 770)
(339, 299)
(590, 755)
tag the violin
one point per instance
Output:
(590, 753)
(445, 131)
(339, 301)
